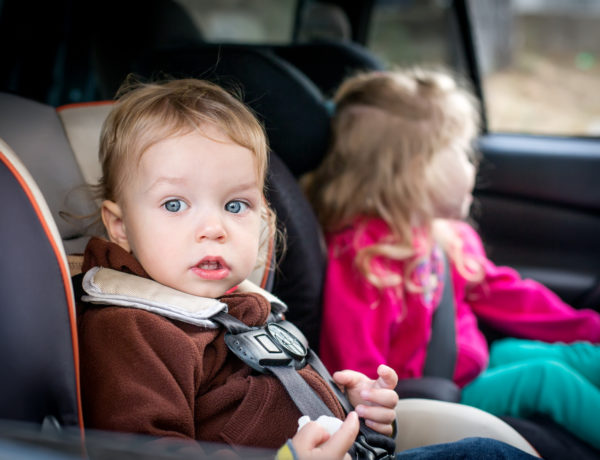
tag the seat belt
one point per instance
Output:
(441, 350)
(280, 348)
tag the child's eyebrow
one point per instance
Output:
(244, 186)
(166, 180)
(235, 188)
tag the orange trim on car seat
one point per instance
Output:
(75, 105)
(65, 277)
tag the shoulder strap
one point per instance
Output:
(441, 351)
(243, 340)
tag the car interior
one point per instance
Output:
(48, 153)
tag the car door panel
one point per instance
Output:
(538, 210)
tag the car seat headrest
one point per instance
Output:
(38, 338)
(122, 31)
(83, 124)
(289, 105)
(329, 62)
(36, 134)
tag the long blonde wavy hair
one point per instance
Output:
(387, 131)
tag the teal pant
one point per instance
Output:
(559, 380)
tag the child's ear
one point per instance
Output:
(112, 216)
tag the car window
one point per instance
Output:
(407, 32)
(247, 21)
(539, 65)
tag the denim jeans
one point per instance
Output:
(468, 448)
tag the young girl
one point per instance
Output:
(391, 195)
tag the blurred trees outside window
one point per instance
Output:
(539, 61)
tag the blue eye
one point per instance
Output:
(175, 205)
(236, 207)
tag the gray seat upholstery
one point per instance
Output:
(34, 131)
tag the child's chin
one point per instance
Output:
(210, 291)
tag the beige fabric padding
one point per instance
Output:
(83, 124)
(112, 287)
(422, 422)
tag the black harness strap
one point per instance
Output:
(441, 351)
(281, 349)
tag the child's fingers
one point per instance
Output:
(387, 377)
(385, 398)
(376, 413)
(348, 378)
(310, 436)
(383, 428)
(341, 441)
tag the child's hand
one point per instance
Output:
(314, 442)
(374, 400)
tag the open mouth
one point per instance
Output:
(210, 265)
(211, 268)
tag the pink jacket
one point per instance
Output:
(364, 326)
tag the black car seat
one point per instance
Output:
(38, 340)
(328, 62)
(290, 106)
(122, 30)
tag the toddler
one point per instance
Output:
(183, 166)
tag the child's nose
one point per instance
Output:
(211, 228)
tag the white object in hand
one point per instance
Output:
(331, 424)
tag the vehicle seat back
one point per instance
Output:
(289, 105)
(329, 62)
(123, 30)
(38, 335)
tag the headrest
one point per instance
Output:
(36, 134)
(82, 124)
(123, 30)
(38, 335)
(327, 62)
(289, 105)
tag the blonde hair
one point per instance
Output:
(388, 128)
(147, 113)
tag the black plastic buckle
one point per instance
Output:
(275, 344)
(362, 450)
